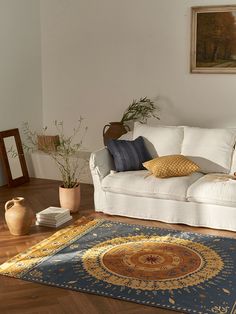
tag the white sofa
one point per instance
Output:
(205, 199)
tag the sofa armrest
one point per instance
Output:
(101, 163)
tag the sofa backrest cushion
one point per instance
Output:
(233, 164)
(160, 140)
(211, 149)
(128, 155)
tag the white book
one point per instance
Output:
(53, 212)
(54, 225)
(53, 220)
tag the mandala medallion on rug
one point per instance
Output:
(185, 272)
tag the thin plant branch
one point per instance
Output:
(65, 155)
(141, 110)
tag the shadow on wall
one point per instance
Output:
(227, 120)
(169, 114)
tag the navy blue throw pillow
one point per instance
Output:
(128, 155)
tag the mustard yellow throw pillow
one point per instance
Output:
(171, 166)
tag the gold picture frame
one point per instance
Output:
(213, 39)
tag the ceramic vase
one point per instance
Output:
(114, 130)
(70, 198)
(18, 216)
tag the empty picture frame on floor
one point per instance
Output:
(213, 39)
(12, 157)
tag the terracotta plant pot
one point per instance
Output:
(114, 130)
(18, 216)
(70, 198)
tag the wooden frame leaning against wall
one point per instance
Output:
(12, 157)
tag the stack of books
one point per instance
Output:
(53, 217)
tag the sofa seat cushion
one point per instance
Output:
(140, 183)
(218, 189)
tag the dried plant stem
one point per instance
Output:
(66, 154)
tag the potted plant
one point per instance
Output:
(139, 110)
(65, 152)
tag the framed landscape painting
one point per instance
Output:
(213, 42)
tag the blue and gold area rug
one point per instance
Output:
(175, 270)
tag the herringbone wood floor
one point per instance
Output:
(21, 297)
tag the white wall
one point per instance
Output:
(99, 55)
(44, 167)
(20, 64)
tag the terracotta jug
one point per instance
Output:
(70, 198)
(18, 216)
(114, 130)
